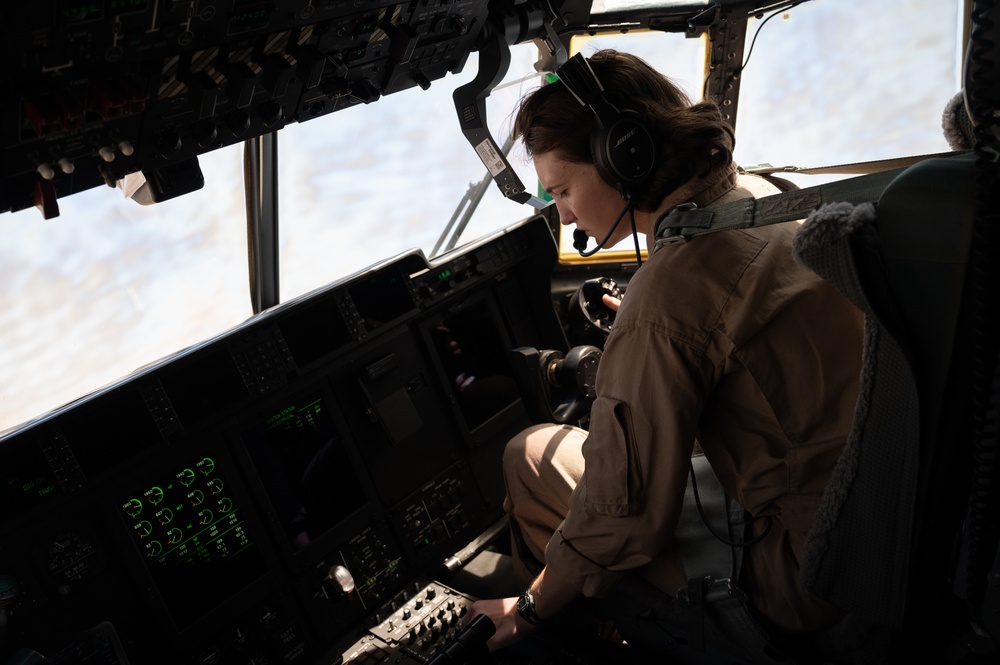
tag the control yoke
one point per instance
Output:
(547, 377)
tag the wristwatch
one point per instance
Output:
(526, 608)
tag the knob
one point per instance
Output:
(365, 91)
(343, 577)
(271, 113)
(238, 122)
(421, 79)
(167, 144)
(205, 133)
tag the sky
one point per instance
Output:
(110, 286)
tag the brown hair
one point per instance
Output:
(693, 139)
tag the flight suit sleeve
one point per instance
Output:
(651, 388)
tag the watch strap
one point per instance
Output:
(526, 608)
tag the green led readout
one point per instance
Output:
(77, 11)
(293, 417)
(125, 6)
(249, 15)
(40, 486)
(191, 518)
(373, 579)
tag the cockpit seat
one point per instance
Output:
(894, 538)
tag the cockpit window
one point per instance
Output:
(371, 181)
(849, 81)
(109, 286)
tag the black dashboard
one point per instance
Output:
(288, 491)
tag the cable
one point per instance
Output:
(757, 31)
(635, 238)
(704, 518)
(580, 238)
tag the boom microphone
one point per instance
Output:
(580, 237)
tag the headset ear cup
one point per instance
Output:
(624, 153)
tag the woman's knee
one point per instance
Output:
(525, 444)
(544, 459)
(535, 447)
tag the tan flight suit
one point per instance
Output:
(724, 340)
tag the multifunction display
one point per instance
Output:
(304, 467)
(191, 531)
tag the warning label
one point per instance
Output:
(491, 158)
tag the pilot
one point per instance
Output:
(723, 342)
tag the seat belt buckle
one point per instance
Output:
(722, 589)
(667, 234)
(676, 238)
(713, 590)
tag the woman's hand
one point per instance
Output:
(511, 628)
(611, 302)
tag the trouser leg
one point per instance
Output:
(541, 466)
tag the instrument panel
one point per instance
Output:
(282, 491)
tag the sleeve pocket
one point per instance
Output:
(612, 482)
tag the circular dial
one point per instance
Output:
(155, 495)
(186, 477)
(133, 507)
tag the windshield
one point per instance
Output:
(110, 286)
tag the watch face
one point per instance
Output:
(526, 608)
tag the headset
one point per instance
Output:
(622, 146)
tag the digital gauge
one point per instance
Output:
(192, 534)
(71, 556)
